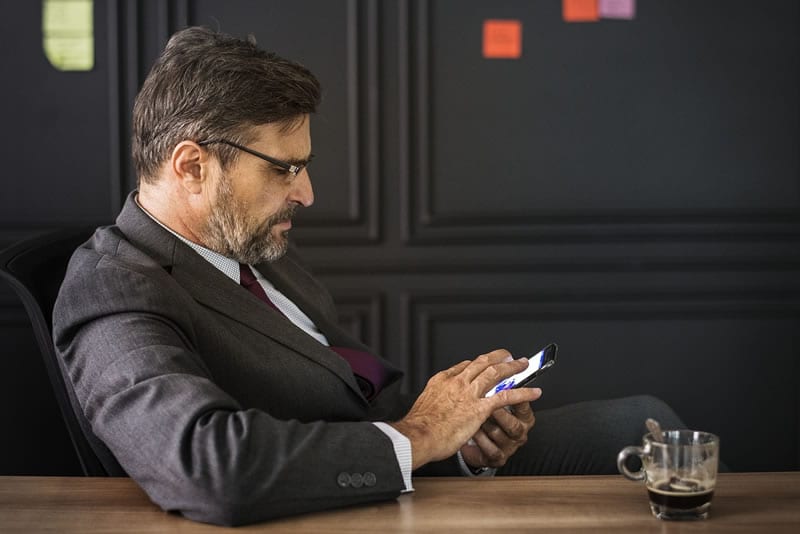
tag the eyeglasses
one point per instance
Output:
(294, 170)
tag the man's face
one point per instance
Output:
(250, 214)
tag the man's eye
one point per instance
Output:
(278, 171)
(284, 174)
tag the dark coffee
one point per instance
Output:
(680, 494)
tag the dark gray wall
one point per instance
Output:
(630, 190)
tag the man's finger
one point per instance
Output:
(485, 361)
(457, 368)
(492, 452)
(493, 374)
(524, 409)
(510, 397)
(513, 428)
(498, 434)
(472, 454)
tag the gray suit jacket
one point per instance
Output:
(218, 406)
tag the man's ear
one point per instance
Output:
(190, 164)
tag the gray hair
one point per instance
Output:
(210, 85)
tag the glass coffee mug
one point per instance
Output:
(680, 473)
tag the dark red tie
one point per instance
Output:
(370, 374)
(249, 280)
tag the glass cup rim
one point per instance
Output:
(696, 438)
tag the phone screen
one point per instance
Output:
(536, 365)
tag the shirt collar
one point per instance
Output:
(228, 266)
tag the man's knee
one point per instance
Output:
(655, 405)
(641, 407)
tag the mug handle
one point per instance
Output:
(623, 455)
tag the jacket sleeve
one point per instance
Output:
(128, 350)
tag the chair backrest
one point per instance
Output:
(35, 269)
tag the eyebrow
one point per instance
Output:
(300, 162)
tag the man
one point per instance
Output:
(207, 359)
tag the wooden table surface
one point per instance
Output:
(743, 502)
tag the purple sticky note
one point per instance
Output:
(616, 9)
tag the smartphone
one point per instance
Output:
(538, 364)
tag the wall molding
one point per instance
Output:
(380, 264)
(360, 223)
(362, 314)
(422, 311)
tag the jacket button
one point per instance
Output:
(370, 479)
(356, 480)
(343, 480)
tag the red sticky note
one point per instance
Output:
(502, 39)
(580, 10)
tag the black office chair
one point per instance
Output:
(35, 269)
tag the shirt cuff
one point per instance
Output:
(402, 449)
(470, 472)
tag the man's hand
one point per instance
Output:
(452, 407)
(500, 436)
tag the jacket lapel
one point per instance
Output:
(213, 289)
(291, 280)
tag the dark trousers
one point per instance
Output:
(585, 438)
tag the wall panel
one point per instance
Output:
(630, 190)
(645, 129)
(717, 357)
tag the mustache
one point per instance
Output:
(284, 215)
(276, 218)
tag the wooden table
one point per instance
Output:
(743, 502)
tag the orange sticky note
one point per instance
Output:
(580, 10)
(502, 39)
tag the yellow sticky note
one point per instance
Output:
(68, 33)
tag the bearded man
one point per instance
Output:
(207, 362)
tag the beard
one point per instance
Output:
(244, 238)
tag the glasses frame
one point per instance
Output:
(292, 169)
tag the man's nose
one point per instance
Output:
(303, 192)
